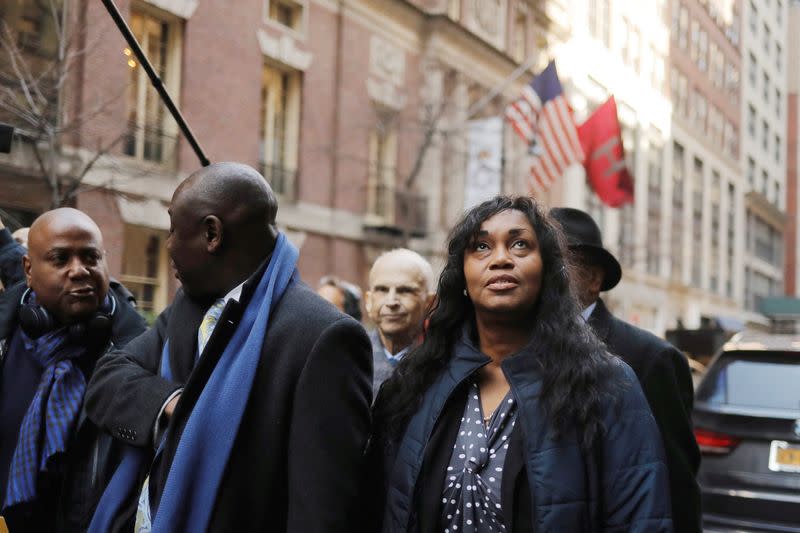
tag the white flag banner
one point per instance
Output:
(485, 160)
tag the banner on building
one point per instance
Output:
(484, 160)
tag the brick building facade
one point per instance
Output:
(334, 101)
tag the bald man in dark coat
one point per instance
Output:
(296, 461)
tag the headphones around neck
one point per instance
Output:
(35, 321)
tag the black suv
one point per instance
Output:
(747, 424)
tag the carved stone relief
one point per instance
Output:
(284, 49)
(387, 71)
(487, 18)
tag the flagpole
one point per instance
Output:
(499, 88)
(158, 85)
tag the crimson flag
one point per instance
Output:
(601, 139)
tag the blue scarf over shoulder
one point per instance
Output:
(196, 471)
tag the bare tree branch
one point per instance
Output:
(69, 193)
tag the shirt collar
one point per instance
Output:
(235, 293)
(395, 357)
(586, 313)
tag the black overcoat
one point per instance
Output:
(297, 462)
(666, 380)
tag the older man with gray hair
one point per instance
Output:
(401, 290)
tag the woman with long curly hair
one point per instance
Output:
(510, 416)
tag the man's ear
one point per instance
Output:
(597, 277)
(368, 302)
(212, 233)
(26, 267)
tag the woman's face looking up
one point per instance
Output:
(503, 266)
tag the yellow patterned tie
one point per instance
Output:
(208, 324)
(143, 523)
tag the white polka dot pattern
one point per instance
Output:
(471, 498)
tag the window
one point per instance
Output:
(702, 52)
(382, 167)
(778, 52)
(279, 128)
(717, 67)
(152, 134)
(676, 243)
(654, 209)
(599, 23)
(778, 148)
(767, 38)
(753, 70)
(658, 71)
(732, 29)
(33, 24)
(765, 135)
(694, 49)
(683, 28)
(753, 18)
(766, 87)
(731, 139)
(633, 49)
(623, 40)
(700, 110)
(779, 14)
(764, 182)
(288, 13)
(737, 379)
(697, 219)
(145, 267)
(717, 126)
(767, 242)
(626, 248)
(454, 9)
(716, 216)
(751, 121)
(731, 242)
(519, 36)
(680, 90)
(732, 81)
(751, 172)
(778, 97)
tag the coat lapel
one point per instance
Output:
(182, 335)
(465, 361)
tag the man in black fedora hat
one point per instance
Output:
(662, 370)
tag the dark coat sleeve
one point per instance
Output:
(11, 252)
(126, 393)
(328, 436)
(667, 380)
(635, 482)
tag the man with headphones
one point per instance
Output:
(53, 328)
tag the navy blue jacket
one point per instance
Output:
(67, 498)
(621, 484)
(11, 253)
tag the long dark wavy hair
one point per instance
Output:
(573, 363)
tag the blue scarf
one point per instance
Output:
(201, 456)
(52, 414)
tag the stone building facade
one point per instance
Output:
(354, 111)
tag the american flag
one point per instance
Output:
(541, 117)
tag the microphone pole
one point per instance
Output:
(155, 80)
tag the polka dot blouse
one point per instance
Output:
(471, 497)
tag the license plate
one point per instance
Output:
(784, 456)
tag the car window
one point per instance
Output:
(767, 380)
